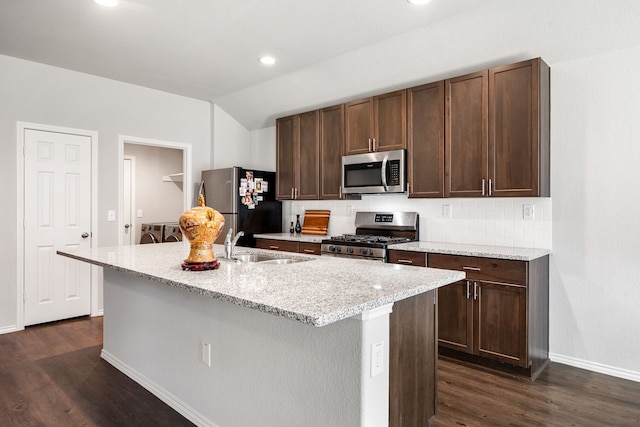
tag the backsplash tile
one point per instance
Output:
(495, 222)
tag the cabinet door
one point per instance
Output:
(501, 323)
(331, 149)
(413, 358)
(358, 126)
(466, 135)
(309, 155)
(455, 316)
(390, 121)
(426, 140)
(514, 129)
(285, 157)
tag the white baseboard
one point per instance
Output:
(8, 329)
(595, 367)
(181, 407)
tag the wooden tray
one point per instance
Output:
(315, 222)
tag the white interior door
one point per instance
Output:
(57, 215)
(128, 200)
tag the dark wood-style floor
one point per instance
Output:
(52, 375)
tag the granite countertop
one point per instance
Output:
(319, 291)
(501, 252)
(307, 238)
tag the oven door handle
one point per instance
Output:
(383, 173)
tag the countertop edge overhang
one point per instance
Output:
(317, 292)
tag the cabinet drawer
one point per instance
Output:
(310, 248)
(487, 269)
(418, 259)
(277, 245)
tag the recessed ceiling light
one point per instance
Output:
(107, 3)
(418, 2)
(267, 60)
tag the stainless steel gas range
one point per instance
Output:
(375, 231)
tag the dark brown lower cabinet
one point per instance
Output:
(288, 246)
(413, 357)
(500, 313)
(413, 353)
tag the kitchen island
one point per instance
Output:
(259, 343)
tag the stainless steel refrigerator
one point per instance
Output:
(246, 198)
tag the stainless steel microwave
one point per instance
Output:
(374, 173)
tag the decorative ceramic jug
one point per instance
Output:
(201, 225)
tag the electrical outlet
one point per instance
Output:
(139, 213)
(377, 359)
(446, 211)
(528, 212)
(206, 353)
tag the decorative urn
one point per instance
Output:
(201, 225)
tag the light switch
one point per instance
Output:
(139, 213)
(111, 215)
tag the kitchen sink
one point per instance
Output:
(266, 259)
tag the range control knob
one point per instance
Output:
(332, 248)
(349, 250)
(363, 251)
(338, 249)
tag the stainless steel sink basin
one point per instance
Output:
(265, 259)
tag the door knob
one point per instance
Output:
(85, 235)
(127, 226)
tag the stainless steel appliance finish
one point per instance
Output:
(222, 193)
(172, 233)
(371, 173)
(151, 233)
(375, 231)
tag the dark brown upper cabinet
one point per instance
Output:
(331, 151)
(466, 167)
(376, 124)
(497, 132)
(425, 126)
(297, 156)
(519, 129)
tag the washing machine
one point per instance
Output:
(172, 233)
(151, 233)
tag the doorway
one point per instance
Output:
(57, 196)
(159, 189)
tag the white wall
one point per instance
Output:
(234, 145)
(231, 141)
(37, 93)
(595, 131)
(159, 201)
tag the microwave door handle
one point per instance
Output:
(383, 172)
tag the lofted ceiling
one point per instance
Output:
(327, 50)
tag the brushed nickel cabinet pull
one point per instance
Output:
(340, 191)
(292, 196)
(489, 186)
(274, 247)
(309, 251)
(468, 290)
(405, 261)
(483, 186)
(374, 144)
(369, 144)
(471, 268)
(475, 291)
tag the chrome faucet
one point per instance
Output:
(230, 243)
